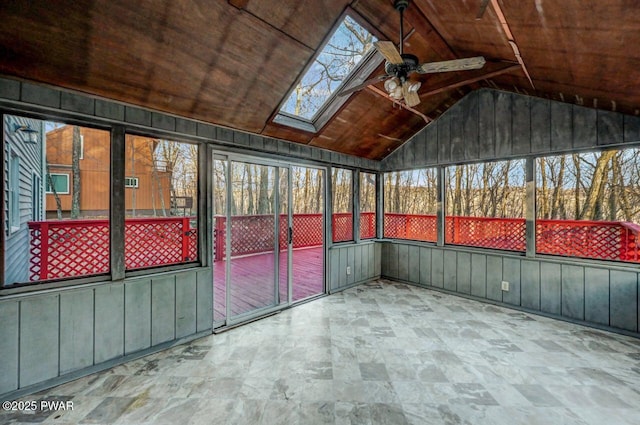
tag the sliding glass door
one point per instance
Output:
(268, 236)
(253, 241)
(308, 232)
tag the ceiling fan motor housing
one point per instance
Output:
(401, 4)
(410, 64)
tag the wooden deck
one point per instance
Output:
(252, 279)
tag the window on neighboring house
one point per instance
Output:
(486, 205)
(161, 219)
(587, 205)
(367, 205)
(14, 192)
(36, 197)
(347, 59)
(342, 202)
(410, 204)
(131, 182)
(57, 183)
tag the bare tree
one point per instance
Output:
(54, 192)
(76, 152)
(333, 64)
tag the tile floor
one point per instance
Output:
(381, 353)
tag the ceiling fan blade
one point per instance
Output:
(363, 85)
(452, 65)
(389, 51)
(411, 98)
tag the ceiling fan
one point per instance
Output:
(399, 66)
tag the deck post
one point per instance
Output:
(185, 239)
(355, 208)
(379, 206)
(441, 208)
(117, 213)
(530, 207)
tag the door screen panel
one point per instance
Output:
(252, 282)
(308, 231)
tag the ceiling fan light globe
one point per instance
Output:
(391, 84)
(414, 87)
(397, 93)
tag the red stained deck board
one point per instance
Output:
(252, 280)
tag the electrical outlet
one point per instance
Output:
(505, 285)
(348, 270)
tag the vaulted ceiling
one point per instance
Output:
(233, 62)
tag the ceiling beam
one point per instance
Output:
(239, 4)
(400, 104)
(512, 42)
(471, 80)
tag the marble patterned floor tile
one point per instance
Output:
(108, 411)
(379, 353)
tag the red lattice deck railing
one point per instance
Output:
(70, 248)
(307, 231)
(603, 240)
(607, 240)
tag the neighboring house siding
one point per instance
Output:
(17, 240)
(95, 169)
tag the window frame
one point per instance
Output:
(64, 282)
(13, 192)
(361, 72)
(632, 227)
(199, 201)
(384, 177)
(116, 130)
(361, 174)
(449, 171)
(352, 173)
(36, 197)
(129, 184)
(51, 192)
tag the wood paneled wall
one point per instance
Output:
(47, 100)
(49, 335)
(599, 295)
(53, 336)
(491, 125)
(363, 258)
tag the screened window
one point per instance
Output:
(485, 205)
(63, 220)
(342, 203)
(58, 183)
(367, 205)
(410, 204)
(161, 214)
(587, 205)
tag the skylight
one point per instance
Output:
(343, 52)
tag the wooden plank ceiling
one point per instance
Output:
(233, 63)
